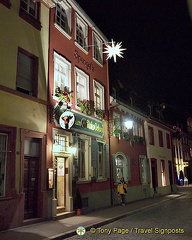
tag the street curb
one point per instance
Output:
(107, 221)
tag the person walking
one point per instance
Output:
(122, 190)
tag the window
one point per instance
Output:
(100, 159)
(62, 73)
(81, 33)
(97, 48)
(121, 166)
(7, 160)
(60, 143)
(82, 85)
(163, 177)
(27, 74)
(137, 129)
(151, 135)
(29, 10)
(63, 17)
(160, 138)
(168, 140)
(144, 170)
(6, 3)
(82, 157)
(98, 96)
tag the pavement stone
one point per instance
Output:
(65, 228)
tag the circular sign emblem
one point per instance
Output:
(67, 120)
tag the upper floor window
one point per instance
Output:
(98, 96)
(6, 3)
(62, 73)
(81, 33)
(137, 130)
(97, 48)
(30, 11)
(82, 85)
(160, 138)
(27, 74)
(63, 17)
(168, 140)
(151, 135)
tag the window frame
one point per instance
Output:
(160, 134)
(84, 26)
(79, 73)
(151, 135)
(64, 64)
(168, 140)
(10, 164)
(68, 11)
(34, 78)
(97, 48)
(101, 95)
(6, 3)
(163, 173)
(25, 14)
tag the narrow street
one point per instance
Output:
(168, 220)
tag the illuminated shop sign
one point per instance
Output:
(67, 120)
(88, 125)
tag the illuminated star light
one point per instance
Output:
(114, 50)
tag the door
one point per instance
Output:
(154, 173)
(171, 175)
(60, 183)
(30, 186)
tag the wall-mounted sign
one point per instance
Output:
(67, 120)
(50, 178)
(88, 125)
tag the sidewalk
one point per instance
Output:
(61, 229)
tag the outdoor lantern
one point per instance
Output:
(129, 124)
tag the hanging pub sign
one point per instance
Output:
(67, 120)
(88, 125)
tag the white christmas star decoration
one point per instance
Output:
(114, 50)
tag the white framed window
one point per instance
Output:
(82, 85)
(30, 7)
(137, 129)
(3, 161)
(82, 158)
(62, 73)
(97, 48)
(116, 120)
(63, 18)
(81, 33)
(122, 168)
(99, 102)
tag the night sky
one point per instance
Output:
(157, 65)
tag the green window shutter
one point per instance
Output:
(114, 169)
(94, 157)
(148, 170)
(128, 168)
(107, 166)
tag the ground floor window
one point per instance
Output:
(144, 169)
(163, 176)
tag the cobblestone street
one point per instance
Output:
(168, 220)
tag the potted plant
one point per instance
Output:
(85, 106)
(78, 203)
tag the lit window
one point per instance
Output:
(81, 33)
(27, 73)
(97, 48)
(82, 85)
(82, 157)
(62, 73)
(163, 177)
(98, 96)
(123, 168)
(63, 17)
(60, 143)
(137, 129)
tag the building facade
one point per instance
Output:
(79, 98)
(23, 112)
